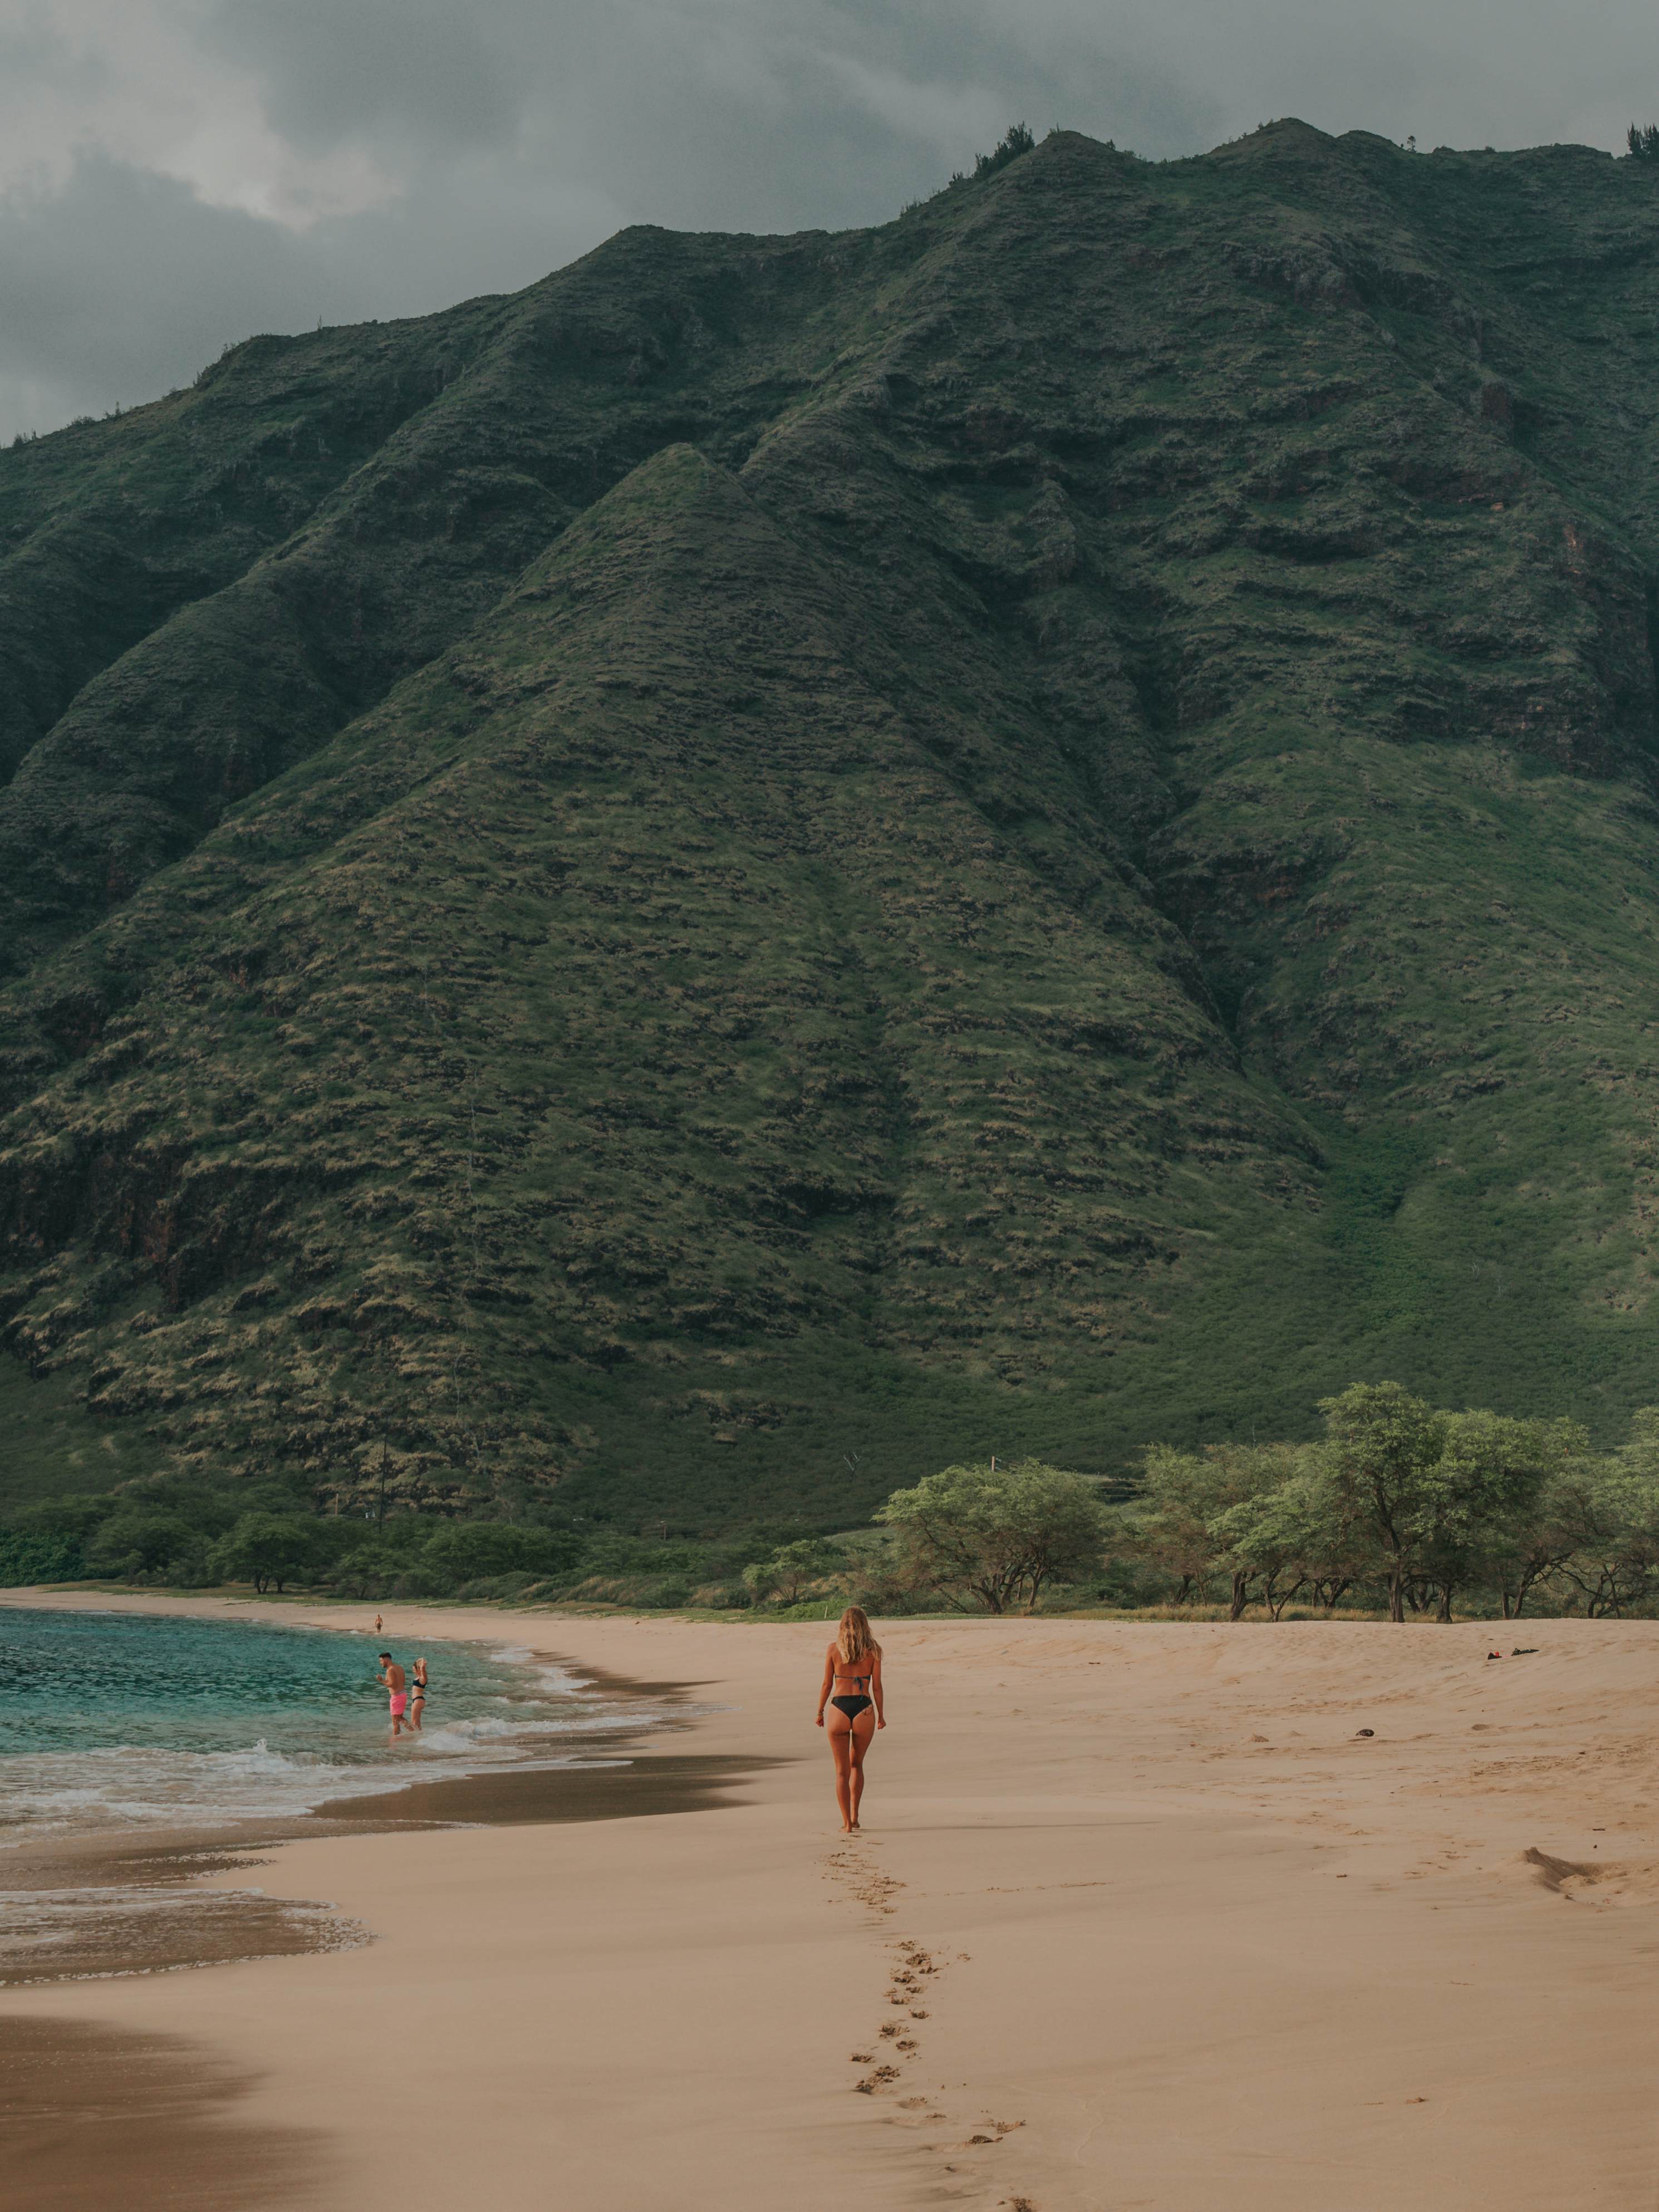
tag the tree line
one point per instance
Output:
(1419, 1507)
(1398, 1506)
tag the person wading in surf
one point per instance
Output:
(397, 1686)
(851, 1690)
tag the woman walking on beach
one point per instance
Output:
(851, 1690)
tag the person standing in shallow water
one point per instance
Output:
(396, 1692)
(851, 1690)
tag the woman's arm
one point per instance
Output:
(827, 1684)
(875, 1688)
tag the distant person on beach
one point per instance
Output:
(851, 1690)
(418, 1694)
(378, 1624)
(397, 1684)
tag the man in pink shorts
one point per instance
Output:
(393, 1675)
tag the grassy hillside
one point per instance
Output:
(781, 861)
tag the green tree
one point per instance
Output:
(1642, 139)
(47, 1542)
(1609, 1510)
(1295, 1533)
(785, 1574)
(26, 1559)
(1533, 1555)
(1383, 1445)
(1176, 1505)
(135, 1541)
(1187, 1498)
(266, 1549)
(474, 1551)
(994, 1536)
(1484, 1494)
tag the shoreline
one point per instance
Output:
(1139, 1917)
(122, 1900)
(768, 1615)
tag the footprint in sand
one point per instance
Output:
(878, 2080)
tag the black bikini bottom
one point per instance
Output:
(852, 1706)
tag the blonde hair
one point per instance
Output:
(853, 1638)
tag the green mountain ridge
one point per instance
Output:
(781, 861)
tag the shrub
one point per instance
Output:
(468, 1551)
(787, 1572)
(721, 1597)
(26, 1559)
(416, 1582)
(1016, 141)
(136, 1541)
(494, 1586)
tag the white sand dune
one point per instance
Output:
(1140, 1921)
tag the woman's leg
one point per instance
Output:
(858, 1737)
(839, 1730)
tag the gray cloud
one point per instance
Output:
(424, 70)
(184, 175)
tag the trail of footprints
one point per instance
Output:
(914, 1968)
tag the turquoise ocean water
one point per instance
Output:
(117, 1719)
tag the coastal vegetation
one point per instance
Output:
(971, 1535)
(1399, 1507)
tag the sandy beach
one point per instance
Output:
(1140, 1919)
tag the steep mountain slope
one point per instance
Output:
(781, 858)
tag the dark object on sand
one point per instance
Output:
(1494, 1655)
(1365, 1731)
(1523, 1652)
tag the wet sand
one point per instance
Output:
(87, 2111)
(1141, 1919)
(97, 1905)
(133, 1900)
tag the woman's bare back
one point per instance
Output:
(851, 1691)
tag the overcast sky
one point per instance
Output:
(177, 174)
